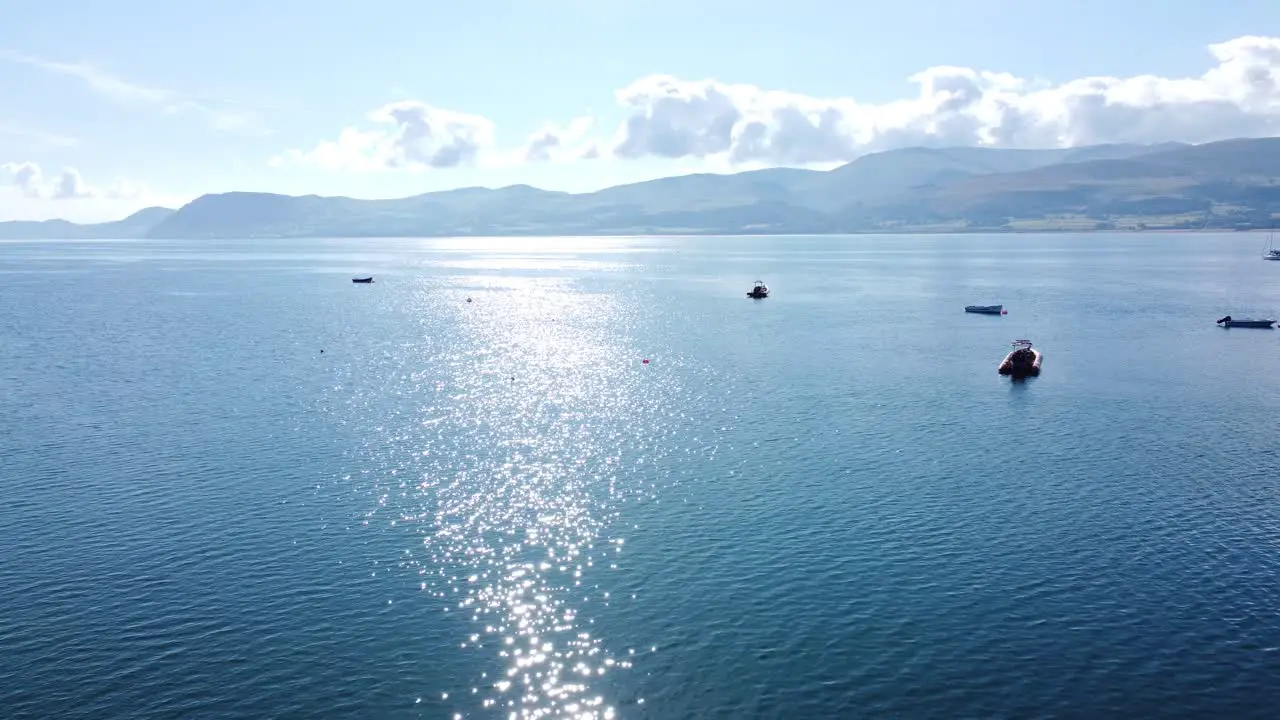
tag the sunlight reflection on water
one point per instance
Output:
(525, 262)
(528, 412)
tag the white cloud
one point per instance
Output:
(29, 179)
(412, 136)
(101, 82)
(554, 143)
(221, 114)
(27, 193)
(674, 118)
(745, 125)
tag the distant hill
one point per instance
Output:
(136, 225)
(1229, 184)
(883, 176)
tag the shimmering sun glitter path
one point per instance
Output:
(521, 440)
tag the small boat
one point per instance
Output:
(1022, 361)
(1228, 322)
(984, 309)
(365, 280)
(760, 290)
(1272, 253)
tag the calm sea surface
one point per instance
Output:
(234, 484)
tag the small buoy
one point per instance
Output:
(645, 361)
(468, 299)
(321, 349)
(1004, 312)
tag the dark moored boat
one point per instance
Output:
(365, 280)
(760, 290)
(1022, 361)
(984, 309)
(1228, 322)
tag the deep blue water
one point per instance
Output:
(823, 504)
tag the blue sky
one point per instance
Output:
(161, 102)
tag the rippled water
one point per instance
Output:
(234, 484)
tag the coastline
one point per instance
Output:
(685, 234)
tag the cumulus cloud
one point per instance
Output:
(30, 180)
(412, 135)
(674, 118)
(567, 143)
(741, 124)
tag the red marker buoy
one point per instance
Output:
(645, 361)
(1004, 312)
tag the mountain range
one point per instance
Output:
(1229, 184)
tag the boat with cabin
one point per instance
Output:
(1023, 361)
(1230, 322)
(1272, 252)
(759, 291)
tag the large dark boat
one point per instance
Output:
(1228, 322)
(984, 309)
(1022, 361)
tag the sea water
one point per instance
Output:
(235, 484)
